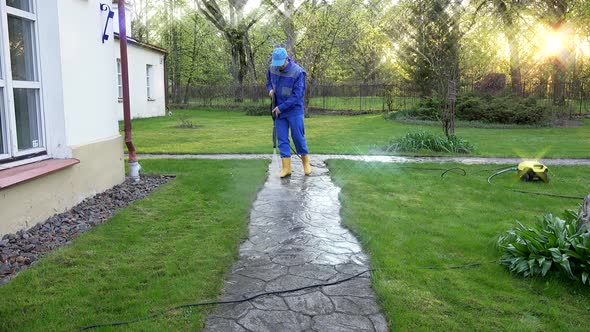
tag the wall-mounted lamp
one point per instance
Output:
(103, 8)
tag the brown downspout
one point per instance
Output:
(166, 83)
(125, 78)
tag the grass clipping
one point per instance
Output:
(427, 141)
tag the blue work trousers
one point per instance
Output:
(297, 134)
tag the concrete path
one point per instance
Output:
(296, 240)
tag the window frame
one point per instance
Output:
(119, 79)
(8, 85)
(4, 151)
(149, 73)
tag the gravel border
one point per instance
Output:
(18, 251)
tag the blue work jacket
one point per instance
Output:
(289, 86)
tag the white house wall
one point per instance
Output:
(79, 107)
(51, 73)
(139, 57)
(90, 101)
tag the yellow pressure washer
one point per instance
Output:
(532, 170)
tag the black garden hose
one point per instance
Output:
(88, 327)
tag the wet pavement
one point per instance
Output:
(296, 240)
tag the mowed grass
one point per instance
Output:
(410, 219)
(219, 131)
(172, 247)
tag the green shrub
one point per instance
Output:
(424, 140)
(255, 109)
(487, 109)
(503, 109)
(552, 244)
(185, 122)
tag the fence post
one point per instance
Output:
(323, 97)
(581, 96)
(360, 97)
(383, 99)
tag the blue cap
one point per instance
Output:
(279, 55)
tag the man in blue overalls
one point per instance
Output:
(286, 81)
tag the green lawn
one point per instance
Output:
(175, 246)
(172, 247)
(409, 219)
(233, 132)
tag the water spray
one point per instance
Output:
(275, 159)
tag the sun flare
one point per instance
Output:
(553, 43)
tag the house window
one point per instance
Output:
(119, 80)
(3, 150)
(21, 117)
(20, 4)
(149, 75)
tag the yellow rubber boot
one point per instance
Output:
(306, 165)
(286, 171)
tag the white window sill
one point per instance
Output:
(18, 174)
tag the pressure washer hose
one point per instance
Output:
(242, 300)
(500, 172)
(530, 192)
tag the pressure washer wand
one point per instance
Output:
(273, 102)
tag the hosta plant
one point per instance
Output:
(552, 244)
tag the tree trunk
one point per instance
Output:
(557, 81)
(189, 82)
(515, 76)
(250, 55)
(585, 214)
(239, 59)
(176, 60)
(147, 21)
(289, 27)
(242, 68)
(450, 101)
(511, 32)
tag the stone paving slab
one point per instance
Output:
(295, 241)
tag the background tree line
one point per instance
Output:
(434, 44)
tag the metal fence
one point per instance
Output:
(573, 95)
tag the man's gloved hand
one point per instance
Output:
(271, 93)
(276, 111)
